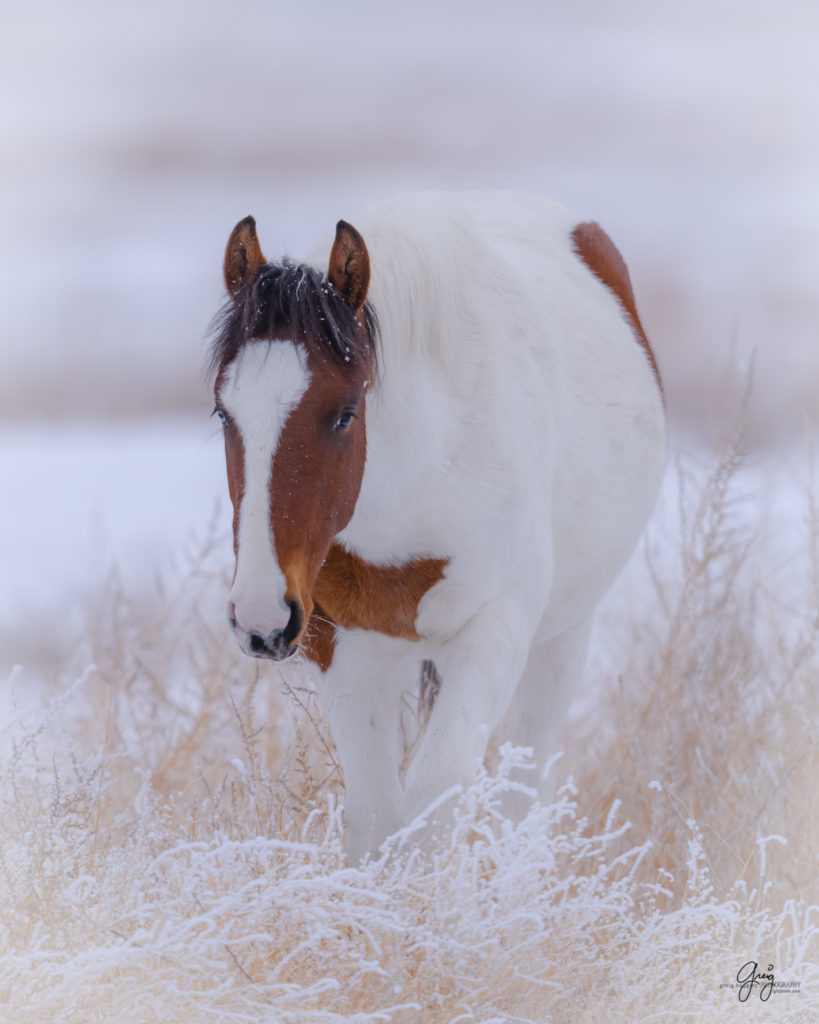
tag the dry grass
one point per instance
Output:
(172, 828)
(714, 704)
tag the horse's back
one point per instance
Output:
(542, 432)
(456, 272)
(506, 290)
(445, 261)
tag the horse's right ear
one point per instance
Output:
(243, 255)
(349, 270)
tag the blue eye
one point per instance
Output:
(221, 416)
(343, 422)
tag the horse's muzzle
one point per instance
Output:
(273, 646)
(279, 644)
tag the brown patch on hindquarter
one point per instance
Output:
(603, 259)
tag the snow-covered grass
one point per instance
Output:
(171, 819)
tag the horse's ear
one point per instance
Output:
(243, 255)
(349, 271)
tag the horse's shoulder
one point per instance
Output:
(355, 594)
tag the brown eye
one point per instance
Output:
(344, 420)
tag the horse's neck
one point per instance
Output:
(406, 448)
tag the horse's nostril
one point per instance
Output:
(293, 627)
(255, 641)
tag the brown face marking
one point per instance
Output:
(603, 259)
(317, 473)
(319, 464)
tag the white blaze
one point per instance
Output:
(259, 391)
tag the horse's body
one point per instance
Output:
(514, 449)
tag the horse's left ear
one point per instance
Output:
(243, 255)
(349, 271)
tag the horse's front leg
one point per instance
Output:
(362, 692)
(479, 669)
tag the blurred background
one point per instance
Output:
(134, 136)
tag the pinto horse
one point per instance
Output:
(442, 449)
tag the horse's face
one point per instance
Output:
(293, 412)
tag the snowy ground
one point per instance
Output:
(83, 499)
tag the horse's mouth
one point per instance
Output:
(276, 646)
(276, 655)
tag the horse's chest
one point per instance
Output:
(357, 594)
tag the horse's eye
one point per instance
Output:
(343, 422)
(221, 416)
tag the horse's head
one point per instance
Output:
(293, 357)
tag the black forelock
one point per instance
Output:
(297, 302)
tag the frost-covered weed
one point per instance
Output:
(171, 827)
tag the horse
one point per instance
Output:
(442, 446)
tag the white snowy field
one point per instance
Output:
(85, 499)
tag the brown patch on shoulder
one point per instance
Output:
(354, 594)
(603, 259)
(358, 595)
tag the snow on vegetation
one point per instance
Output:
(172, 820)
